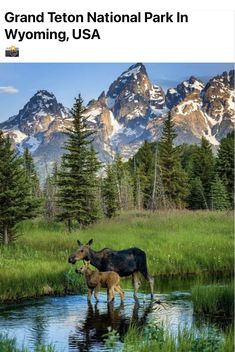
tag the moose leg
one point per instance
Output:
(111, 294)
(151, 283)
(136, 284)
(120, 291)
(150, 279)
(89, 294)
(97, 290)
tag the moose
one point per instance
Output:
(124, 262)
(97, 279)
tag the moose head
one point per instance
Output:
(84, 268)
(82, 253)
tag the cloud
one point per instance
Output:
(9, 90)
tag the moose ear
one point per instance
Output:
(79, 243)
(88, 263)
(89, 242)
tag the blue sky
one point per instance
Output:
(19, 82)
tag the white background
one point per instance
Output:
(208, 37)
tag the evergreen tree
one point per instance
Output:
(110, 193)
(32, 182)
(158, 199)
(93, 198)
(137, 189)
(142, 168)
(196, 198)
(174, 177)
(219, 196)
(203, 167)
(50, 195)
(225, 164)
(13, 190)
(75, 182)
(124, 183)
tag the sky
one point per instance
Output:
(20, 81)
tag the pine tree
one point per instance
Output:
(75, 183)
(219, 196)
(158, 199)
(196, 198)
(93, 193)
(203, 167)
(110, 193)
(174, 177)
(50, 195)
(13, 190)
(124, 183)
(225, 164)
(137, 189)
(32, 181)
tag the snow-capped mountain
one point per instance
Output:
(132, 110)
(176, 95)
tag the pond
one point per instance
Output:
(71, 324)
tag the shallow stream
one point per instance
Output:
(71, 324)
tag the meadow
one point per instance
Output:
(214, 300)
(177, 243)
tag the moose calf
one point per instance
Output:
(96, 280)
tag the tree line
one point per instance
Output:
(81, 189)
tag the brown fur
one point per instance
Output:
(96, 280)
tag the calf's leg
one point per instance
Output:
(110, 294)
(89, 294)
(97, 290)
(120, 291)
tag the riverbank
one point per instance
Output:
(177, 243)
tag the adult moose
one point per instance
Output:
(125, 262)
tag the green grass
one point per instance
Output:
(214, 300)
(8, 344)
(154, 339)
(176, 243)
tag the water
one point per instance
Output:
(71, 324)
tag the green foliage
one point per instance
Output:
(124, 183)
(225, 164)
(51, 210)
(15, 199)
(155, 339)
(219, 196)
(77, 180)
(32, 181)
(214, 300)
(176, 243)
(110, 193)
(196, 198)
(8, 344)
(203, 167)
(143, 164)
(111, 339)
(174, 177)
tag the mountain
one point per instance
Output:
(132, 110)
(39, 126)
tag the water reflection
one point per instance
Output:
(89, 334)
(74, 325)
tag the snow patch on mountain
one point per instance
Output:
(187, 107)
(18, 135)
(208, 133)
(92, 114)
(115, 124)
(134, 71)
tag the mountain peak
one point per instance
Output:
(134, 70)
(37, 113)
(176, 95)
(44, 94)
